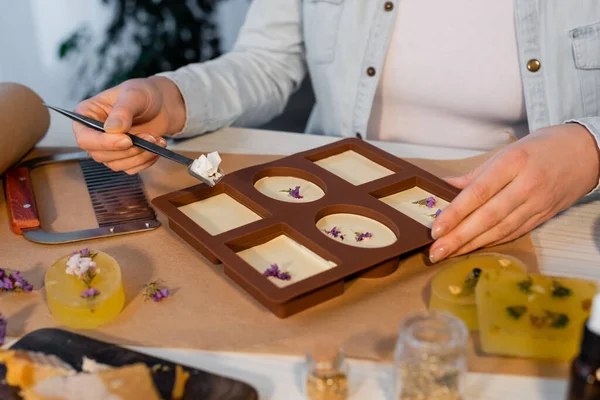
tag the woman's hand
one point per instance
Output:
(519, 188)
(148, 108)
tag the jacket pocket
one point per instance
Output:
(321, 20)
(585, 42)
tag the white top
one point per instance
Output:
(451, 76)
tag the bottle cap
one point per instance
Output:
(326, 356)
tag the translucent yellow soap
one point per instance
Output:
(533, 316)
(64, 293)
(453, 288)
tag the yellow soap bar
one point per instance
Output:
(534, 316)
(453, 288)
(64, 293)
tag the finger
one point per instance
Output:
(108, 156)
(140, 168)
(132, 102)
(131, 163)
(463, 181)
(91, 140)
(134, 162)
(492, 178)
(104, 156)
(502, 231)
(486, 218)
(531, 224)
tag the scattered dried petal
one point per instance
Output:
(335, 232)
(360, 236)
(90, 293)
(428, 202)
(295, 193)
(436, 214)
(504, 262)
(455, 290)
(13, 282)
(275, 272)
(152, 291)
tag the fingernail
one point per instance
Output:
(163, 142)
(437, 254)
(438, 231)
(150, 138)
(123, 143)
(113, 124)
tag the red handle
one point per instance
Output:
(21, 201)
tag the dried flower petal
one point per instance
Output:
(13, 282)
(437, 214)
(295, 193)
(335, 232)
(3, 328)
(91, 292)
(152, 291)
(428, 202)
(360, 236)
(275, 272)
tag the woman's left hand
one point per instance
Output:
(519, 188)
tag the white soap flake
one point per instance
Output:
(207, 166)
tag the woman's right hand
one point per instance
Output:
(148, 108)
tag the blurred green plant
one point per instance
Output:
(142, 38)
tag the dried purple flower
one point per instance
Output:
(7, 284)
(3, 328)
(152, 291)
(91, 292)
(437, 214)
(295, 193)
(428, 202)
(335, 232)
(360, 236)
(85, 252)
(275, 272)
(13, 282)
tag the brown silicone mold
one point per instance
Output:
(298, 221)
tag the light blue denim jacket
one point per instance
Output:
(343, 44)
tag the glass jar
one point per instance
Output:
(326, 374)
(431, 357)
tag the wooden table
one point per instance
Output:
(566, 245)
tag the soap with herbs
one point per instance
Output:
(532, 316)
(453, 288)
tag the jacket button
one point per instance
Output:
(388, 6)
(533, 65)
(371, 71)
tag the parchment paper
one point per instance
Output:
(207, 311)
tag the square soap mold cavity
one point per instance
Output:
(410, 198)
(354, 164)
(219, 210)
(289, 256)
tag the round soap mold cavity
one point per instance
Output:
(290, 185)
(356, 226)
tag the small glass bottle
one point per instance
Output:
(584, 380)
(431, 357)
(327, 373)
